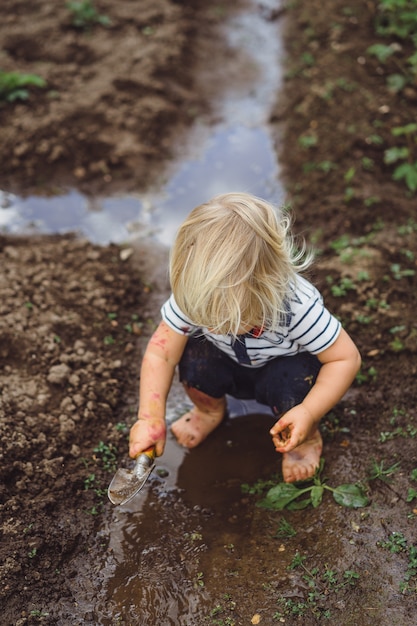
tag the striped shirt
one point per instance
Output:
(307, 327)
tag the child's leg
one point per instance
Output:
(205, 374)
(283, 384)
(206, 414)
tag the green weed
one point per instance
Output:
(405, 156)
(408, 432)
(366, 376)
(316, 586)
(409, 228)
(84, 15)
(259, 487)
(398, 272)
(285, 530)
(107, 454)
(228, 605)
(294, 497)
(341, 289)
(14, 85)
(308, 141)
(38, 613)
(397, 544)
(379, 471)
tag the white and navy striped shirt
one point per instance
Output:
(308, 327)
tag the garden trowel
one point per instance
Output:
(127, 482)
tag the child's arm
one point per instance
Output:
(340, 364)
(162, 354)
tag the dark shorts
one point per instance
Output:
(280, 384)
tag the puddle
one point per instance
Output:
(166, 544)
(236, 153)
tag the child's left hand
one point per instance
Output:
(292, 429)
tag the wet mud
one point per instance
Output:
(193, 548)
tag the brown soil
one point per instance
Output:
(71, 312)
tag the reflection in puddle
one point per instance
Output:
(236, 154)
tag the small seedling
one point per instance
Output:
(290, 496)
(84, 15)
(398, 272)
(285, 530)
(319, 584)
(341, 289)
(382, 473)
(259, 487)
(308, 141)
(13, 85)
(366, 376)
(107, 454)
(395, 543)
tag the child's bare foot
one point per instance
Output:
(193, 427)
(302, 462)
(206, 414)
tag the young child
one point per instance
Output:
(242, 321)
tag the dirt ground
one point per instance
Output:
(72, 312)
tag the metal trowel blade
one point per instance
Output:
(127, 483)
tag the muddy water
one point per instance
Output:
(229, 150)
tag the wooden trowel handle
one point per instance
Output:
(150, 452)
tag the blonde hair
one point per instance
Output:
(232, 263)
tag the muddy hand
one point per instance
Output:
(145, 434)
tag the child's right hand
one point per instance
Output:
(147, 432)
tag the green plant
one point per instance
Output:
(84, 15)
(397, 544)
(89, 481)
(366, 376)
(38, 613)
(378, 470)
(285, 530)
(400, 431)
(319, 584)
(331, 425)
(397, 17)
(406, 155)
(13, 85)
(341, 289)
(107, 454)
(400, 273)
(287, 495)
(382, 51)
(259, 487)
(411, 495)
(308, 141)
(409, 228)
